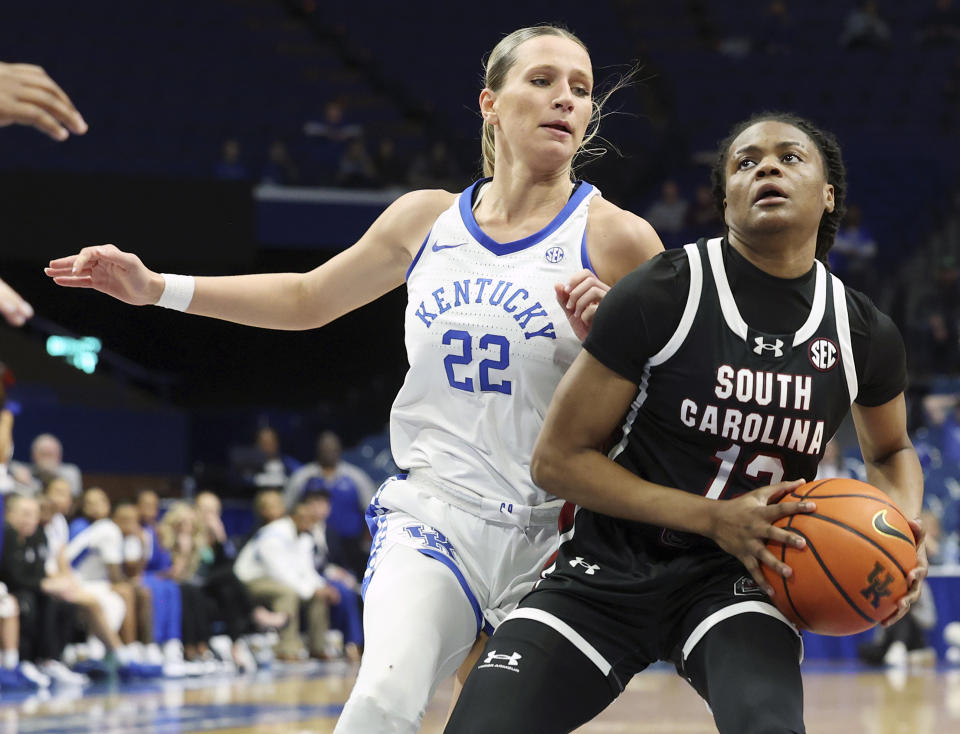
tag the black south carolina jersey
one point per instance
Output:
(726, 405)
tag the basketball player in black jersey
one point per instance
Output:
(726, 366)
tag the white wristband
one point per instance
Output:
(177, 291)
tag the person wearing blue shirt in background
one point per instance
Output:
(350, 491)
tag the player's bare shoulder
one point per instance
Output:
(618, 241)
(410, 217)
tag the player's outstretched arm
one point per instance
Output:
(12, 306)
(376, 264)
(892, 466)
(28, 96)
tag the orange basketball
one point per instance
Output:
(853, 570)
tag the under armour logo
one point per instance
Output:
(877, 587)
(591, 568)
(512, 659)
(762, 346)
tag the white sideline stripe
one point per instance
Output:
(733, 610)
(538, 615)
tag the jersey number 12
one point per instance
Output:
(760, 466)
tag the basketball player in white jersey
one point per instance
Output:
(502, 280)
(28, 96)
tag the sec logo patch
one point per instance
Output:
(554, 255)
(823, 354)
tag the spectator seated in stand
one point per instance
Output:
(263, 465)
(669, 212)
(435, 169)
(350, 490)
(48, 615)
(228, 598)
(778, 29)
(279, 572)
(165, 591)
(7, 483)
(327, 141)
(231, 167)
(345, 615)
(268, 505)
(391, 169)
(18, 637)
(183, 539)
(355, 169)
(279, 170)
(854, 251)
(140, 599)
(96, 553)
(55, 505)
(865, 28)
(46, 454)
(703, 219)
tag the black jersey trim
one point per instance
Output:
(689, 310)
(728, 304)
(674, 343)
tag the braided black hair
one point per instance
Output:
(830, 154)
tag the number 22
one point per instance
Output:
(487, 342)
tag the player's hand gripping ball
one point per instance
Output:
(854, 568)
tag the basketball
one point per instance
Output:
(854, 567)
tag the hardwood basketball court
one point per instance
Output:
(841, 698)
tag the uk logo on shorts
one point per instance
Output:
(554, 255)
(503, 662)
(431, 539)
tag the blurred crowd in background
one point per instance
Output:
(267, 550)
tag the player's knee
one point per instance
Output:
(363, 714)
(765, 710)
(468, 719)
(397, 687)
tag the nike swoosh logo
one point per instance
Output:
(437, 248)
(882, 526)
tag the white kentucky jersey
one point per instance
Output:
(487, 344)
